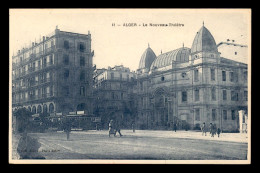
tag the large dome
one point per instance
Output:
(147, 59)
(165, 59)
(203, 41)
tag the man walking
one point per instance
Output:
(203, 129)
(218, 131)
(175, 127)
(118, 127)
(67, 128)
(133, 126)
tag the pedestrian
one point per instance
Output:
(210, 129)
(133, 126)
(175, 127)
(218, 131)
(97, 128)
(67, 128)
(203, 129)
(117, 128)
(111, 128)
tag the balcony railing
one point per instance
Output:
(49, 49)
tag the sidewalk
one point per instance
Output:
(228, 137)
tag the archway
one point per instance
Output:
(45, 109)
(161, 107)
(34, 110)
(29, 108)
(39, 109)
(81, 107)
(51, 108)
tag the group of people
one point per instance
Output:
(213, 130)
(114, 127)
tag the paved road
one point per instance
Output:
(152, 145)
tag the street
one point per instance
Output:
(142, 145)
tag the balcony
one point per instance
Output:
(50, 49)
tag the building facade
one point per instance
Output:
(54, 75)
(189, 86)
(114, 99)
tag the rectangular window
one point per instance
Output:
(197, 114)
(224, 94)
(245, 76)
(197, 95)
(245, 96)
(82, 61)
(44, 63)
(81, 47)
(223, 75)
(66, 73)
(214, 114)
(225, 114)
(213, 94)
(231, 76)
(66, 90)
(122, 95)
(66, 44)
(66, 59)
(51, 90)
(233, 114)
(212, 74)
(234, 96)
(112, 75)
(82, 76)
(113, 95)
(39, 64)
(184, 96)
(196, 75)
(51, 59)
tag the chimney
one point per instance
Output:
(32, 43)
(18, 51)
(43, 38)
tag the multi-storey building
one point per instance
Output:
(191, 86)
(113, 91)
(54, 74)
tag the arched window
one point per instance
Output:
(82, 91)
(81, 107)
(51, 108)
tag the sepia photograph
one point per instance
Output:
(129, 86)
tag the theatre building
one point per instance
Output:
(189, 86)
(54, 74)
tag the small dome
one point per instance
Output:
(147, 59)
(165, 59)
(204, 41)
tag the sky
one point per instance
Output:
(121, 45)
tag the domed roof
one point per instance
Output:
(147, 59)
(204, 41)
(165, 59)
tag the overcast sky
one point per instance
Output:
(119, 45)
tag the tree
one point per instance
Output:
(23, 116)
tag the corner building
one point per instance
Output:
(114, 98)
(189, 86)
(54, 75)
